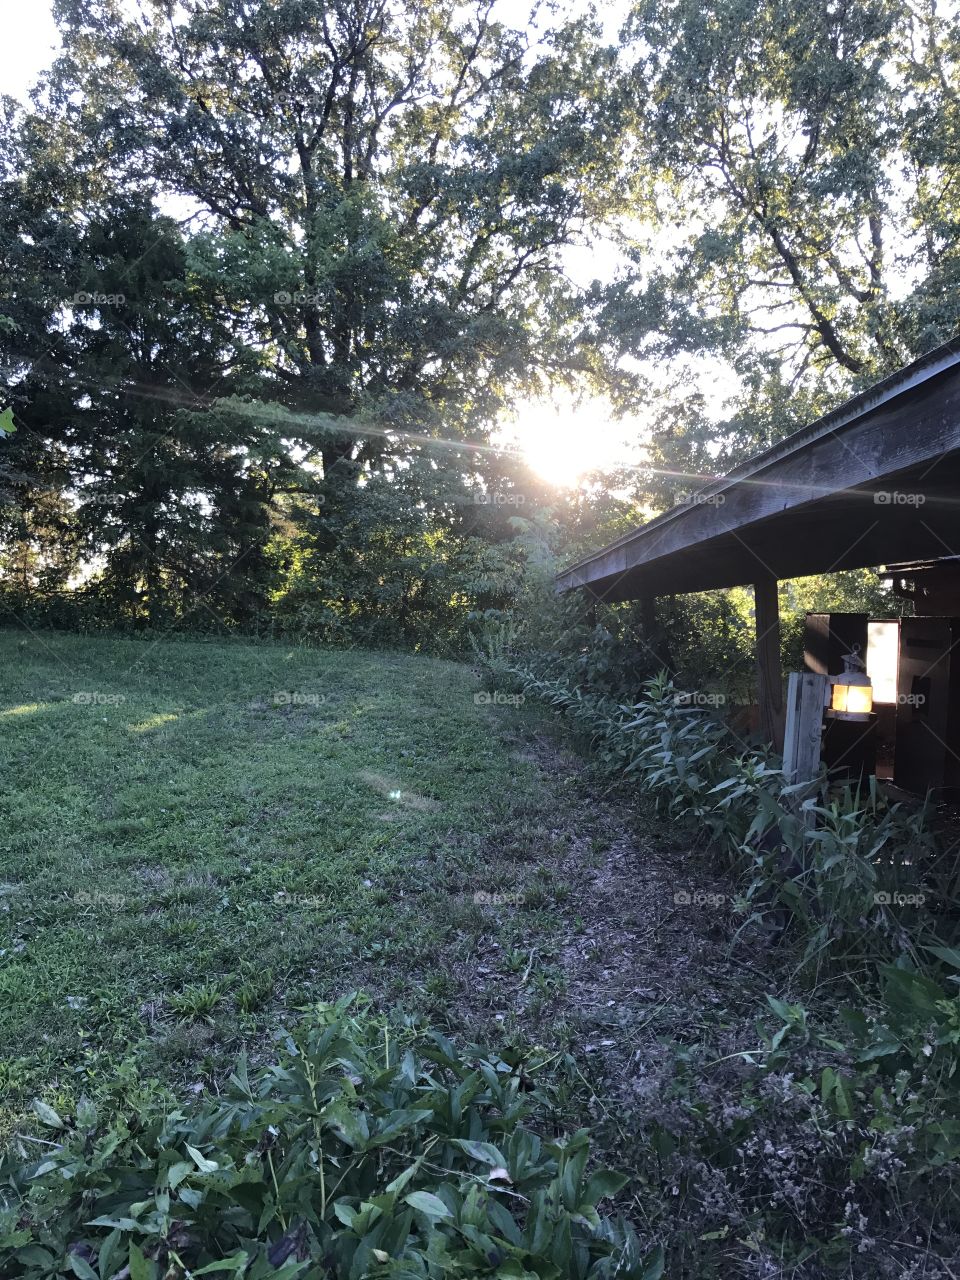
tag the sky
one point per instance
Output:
(28, 39)
(551, 433)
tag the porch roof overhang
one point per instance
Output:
(875, 481)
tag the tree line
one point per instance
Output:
(273, 272)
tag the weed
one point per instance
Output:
(197, 1001)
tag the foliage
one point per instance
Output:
(277, 413)
(843, 865)
(380, 200)
(790, 121)
(705, 640)
(825, 1148)
(411, 564)
(362, 1150)
(831, 1142)
(803, 157)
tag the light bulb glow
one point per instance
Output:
(852, 697)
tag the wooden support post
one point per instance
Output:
(769, 677)
(806, 694)
(653, 636)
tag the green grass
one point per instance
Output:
(185, 857)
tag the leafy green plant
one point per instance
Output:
(847, 866)
(366, 1149)
(254, 991)
(197, 1001)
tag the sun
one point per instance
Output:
(562, 441)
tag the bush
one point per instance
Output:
(366, 1150)
(828, 1145)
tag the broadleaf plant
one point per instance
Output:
(364, 1150)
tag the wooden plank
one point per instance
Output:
(804, 724)
(769, 675)
(829, 637)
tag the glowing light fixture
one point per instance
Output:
(851, 695)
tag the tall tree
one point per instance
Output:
(788, 143)
(387, 189)
(159, 483)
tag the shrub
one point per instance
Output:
(830, 1144)
(365, 1150)
(830, 1148)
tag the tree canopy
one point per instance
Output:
(276, 270)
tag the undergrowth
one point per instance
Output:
(859, 876)
(829, 1145)
(366, 1149)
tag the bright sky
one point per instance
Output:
(560, 439)
(28, 40)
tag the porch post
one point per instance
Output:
(769, 676)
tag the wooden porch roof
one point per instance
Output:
(875, 481)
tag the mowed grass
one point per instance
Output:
(197, 839)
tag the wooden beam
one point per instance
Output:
(873, 483)
(769, 676)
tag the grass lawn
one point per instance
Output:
(198, 838)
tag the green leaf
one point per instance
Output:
(107, 1252)
(140, 1267)
(427, 1203)
(177, 1172)
(603, 1183)
(401, 1180)
(485, 1152)
(236, 1263)
(80, 1267)
(345, 1213)
(781, 1008)
(47, 1114)
(950, 955)
(34, 1255)
(201, 1161)
(7, 427)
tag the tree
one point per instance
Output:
(386, 191)
(158, 479)
(796, 133)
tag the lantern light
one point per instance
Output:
(851, 693)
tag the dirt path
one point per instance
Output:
(639, 955)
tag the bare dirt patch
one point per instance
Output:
(639, 954)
